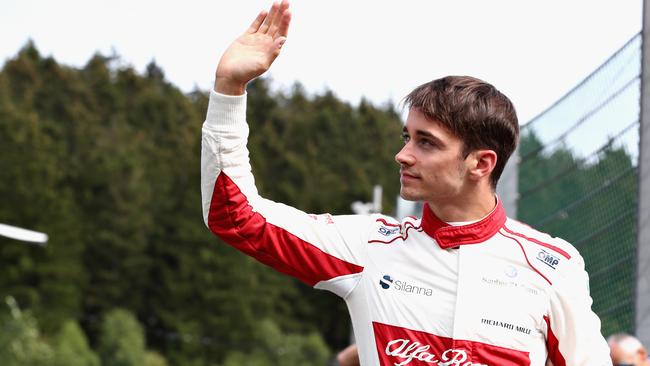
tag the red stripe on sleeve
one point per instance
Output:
(553, 345)
(549, 246)
(232, 218)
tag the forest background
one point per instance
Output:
(106, 161)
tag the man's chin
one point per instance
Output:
(408, 196)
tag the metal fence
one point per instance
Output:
(578, 179)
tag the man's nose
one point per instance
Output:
(404, 156)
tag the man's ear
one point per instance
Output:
(482, 163)
(643, 354)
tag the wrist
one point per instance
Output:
(229, 87)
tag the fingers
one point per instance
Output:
(257, 22)
(281, 17)
(283, 29)
(264, 28)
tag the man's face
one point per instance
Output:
(432, 168)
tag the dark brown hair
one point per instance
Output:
(473, 110)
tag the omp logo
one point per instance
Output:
(548, 258)
(387, 282)
(387, 232)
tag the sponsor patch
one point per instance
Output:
(399, 346)
(548, 258)
(387, 282)
(506, 325)
(385, 231)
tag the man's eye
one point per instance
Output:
(405, 137)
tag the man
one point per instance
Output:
(627, 350)
(463, 285)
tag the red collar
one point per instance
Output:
(449, 236)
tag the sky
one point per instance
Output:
(534, 51)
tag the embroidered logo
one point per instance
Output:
(548, 258)
(388, 231)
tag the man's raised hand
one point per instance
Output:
(250, 55)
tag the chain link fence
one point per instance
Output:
(578, 179)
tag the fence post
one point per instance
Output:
(642, 298)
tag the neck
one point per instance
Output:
(465, 207)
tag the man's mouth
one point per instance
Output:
(404, 175)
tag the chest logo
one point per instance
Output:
(406, 351)
(511, 271)
(385, 282)
(548, 258)
(388, 282)
(388, 231)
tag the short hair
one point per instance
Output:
(629, 343)
(473, 110)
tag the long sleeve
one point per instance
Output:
(573, 329)
(324, 251)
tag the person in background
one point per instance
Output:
(627, 350)
(349, 356)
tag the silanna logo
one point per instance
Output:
(388, 282)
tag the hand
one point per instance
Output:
(250, 55)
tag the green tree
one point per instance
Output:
(122, 340)
(107, 162)
(270, 347)
(20, 340)
(72, 348)
(154, 359)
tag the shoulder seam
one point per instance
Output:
(526, 256)
(557, 249)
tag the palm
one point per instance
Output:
(250, 55)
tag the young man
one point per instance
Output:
(463, 285)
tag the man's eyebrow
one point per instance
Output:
(429, 135)
(426, 134)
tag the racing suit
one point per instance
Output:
(419, 291)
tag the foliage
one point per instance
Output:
(270, 347)
(20, 342)
(106, 161)
(72, 347)
(152, 358)
(122, 340)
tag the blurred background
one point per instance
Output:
(101, 105)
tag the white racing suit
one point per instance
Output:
(420, 292)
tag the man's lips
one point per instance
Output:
(407, 175)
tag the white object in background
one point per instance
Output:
(367, 208)
(23, 234)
